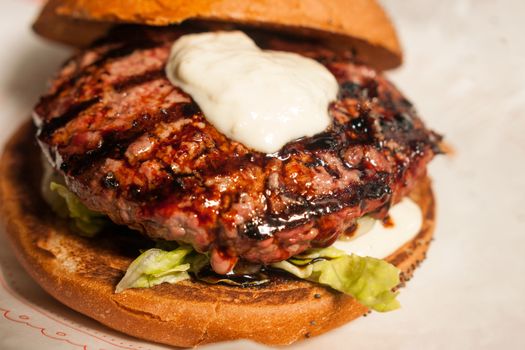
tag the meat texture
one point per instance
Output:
(137, 148)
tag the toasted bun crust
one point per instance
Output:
(360, 24)
(67, 30)
(82, 274)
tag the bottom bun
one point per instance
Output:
(82, 273)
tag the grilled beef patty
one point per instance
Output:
(137, 148)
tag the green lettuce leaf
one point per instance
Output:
(66, 204)
(367, 279)
(156, 266)
(55, 201)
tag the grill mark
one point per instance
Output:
(332, 171)
(325, 141)
(174, 180)
(349, 89)
(187, 111)
(115, 143)
(118, 52)
(376, 187)
(170, 185)
(79, 74)
(73, 112)
(136, 80)
(300, 214)
(223, 166)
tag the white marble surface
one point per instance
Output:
(463, 70)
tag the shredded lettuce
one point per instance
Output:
(156, 266)
(66, 204)
(367, 279)
(55, 201)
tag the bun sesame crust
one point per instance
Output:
(358, 24)
(82, 274)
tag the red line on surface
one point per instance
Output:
(3, 283)
(42, 329)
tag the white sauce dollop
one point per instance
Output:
(262, 99)
(382, 241)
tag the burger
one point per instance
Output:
(215, 170)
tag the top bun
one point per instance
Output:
(358, 24)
